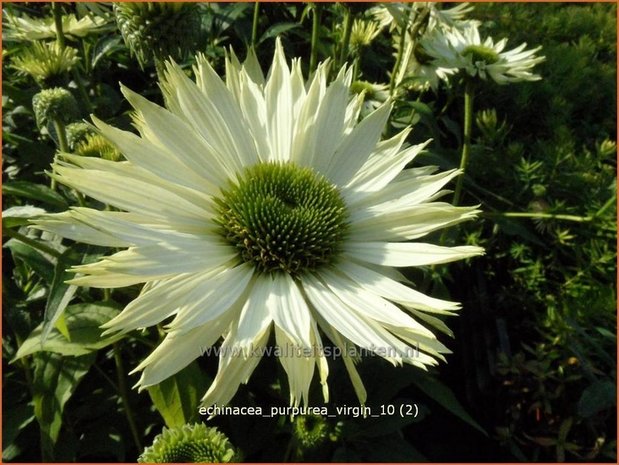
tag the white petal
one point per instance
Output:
(278, 96)
(213, 297)
(256, 315)
(66, 225)
(289, 310)
(234, 369)
(179, 350)
(383, 166)
(408, 254)
(407, 223)
(371, 305)
(183, 145)
(158, 302)
(299, 368)
(130, 194)
(357, 146)
(395, 291)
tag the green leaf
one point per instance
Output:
(30, 190)
(177, 397)
(83, 322)
(60, 293)
(41, 264)
(15, 419)
(277, 29)
(20, 216)
(55, 380)
(597, 397)
(444, 396)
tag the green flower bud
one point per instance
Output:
(311, 431)
(46, 62)
(76, 133)
(95, 145)
(189, 444)
(158, 30)
(54, 104)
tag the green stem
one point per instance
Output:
(124, 395)
(315, 33)
(419, 21)
(468, 128)
(58, 23)
(63, 145)
(348, 22)
(539, 215)
(31, 242)
(254, 26)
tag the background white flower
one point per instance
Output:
(464, 49)
(260, 204)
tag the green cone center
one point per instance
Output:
(481, 53)
(283, 218)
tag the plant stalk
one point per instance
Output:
(314, 41)
(348, 22)
(254, 26)
(468, 128)
(63, 145)
(58, 23)
(124, 395)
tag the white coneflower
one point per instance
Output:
(25, 28)
(255, 206)
(466, 51)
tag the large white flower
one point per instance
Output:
(464, 49)
(257, 205)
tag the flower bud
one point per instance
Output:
(54, 104)
(157, 31)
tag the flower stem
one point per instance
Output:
(315, 33)
(254, 26)
(61, 134)
(122, 388)
(413, 33)
(348, 21)
(539, 215)
(468, 127)
(58, 23)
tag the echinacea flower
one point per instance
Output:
(191, 443)
(464, 49)
(257, 206)
(46, 62)
(25, 28)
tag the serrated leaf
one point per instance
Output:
(30, 190)
(83, 323)
(55, 380)
(177, 397)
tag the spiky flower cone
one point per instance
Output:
(54, 104)
(189, 444)
(154, 30)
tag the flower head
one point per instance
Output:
(262, 205)
(158, 29)
(46, 62)
(189, 444)
(464, 49)
(54, 104)
(25, 28)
